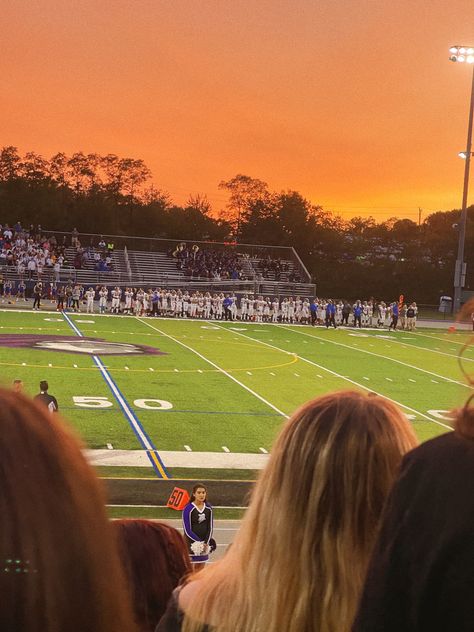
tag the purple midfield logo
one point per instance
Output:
(73, 344)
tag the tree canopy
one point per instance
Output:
(114, 195)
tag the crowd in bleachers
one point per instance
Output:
(31, 253)
(206, 263)
(28, 252)
(350, 527)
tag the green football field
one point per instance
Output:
(221, 387)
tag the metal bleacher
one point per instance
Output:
(139, 261)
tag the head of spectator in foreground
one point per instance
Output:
(155, 559)
(44, 386)
(421, 575)
(299, 559)
(59, 566)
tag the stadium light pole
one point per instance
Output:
(463, 54)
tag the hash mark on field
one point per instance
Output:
(371, 345)
(75, 366)
(411, 380)
(321, 343)
(151, 369)
(271, 373)
(187, 448)
(199, 370)
(225, 448)
(263, 450)
(176, 370)
(296, 374)
(23, 364)
(50, 364)
(126, 368)
(366, 378)
(389, 379)
(435, 382)
(249, 372)
(319, 375)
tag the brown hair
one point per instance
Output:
(155, 559)
(464, 420)
(194, 490)
(300, 557)
(59, 566)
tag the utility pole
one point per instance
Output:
(419, 216)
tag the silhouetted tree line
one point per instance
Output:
(356, 257)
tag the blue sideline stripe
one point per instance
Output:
(133, 420)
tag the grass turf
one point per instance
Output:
(162, 513)
(230, 384)
(183, 473)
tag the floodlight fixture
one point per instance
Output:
(463, 54)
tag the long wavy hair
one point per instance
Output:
(59, 567)
(155, 559)
(300, 557)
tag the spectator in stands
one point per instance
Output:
(155, 560)
(421, 576)
(60, 569)
(300, 557)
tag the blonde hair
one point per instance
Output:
(300, 557)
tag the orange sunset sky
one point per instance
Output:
(353, 103)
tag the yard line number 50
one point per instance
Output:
(104, 402)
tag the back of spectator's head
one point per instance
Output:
(421, 575)
(59, 566)
(155, 559)
(299, 559)
(44, 386)
(464, 422)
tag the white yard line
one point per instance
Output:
(343, 377)
(216, 366)
(452, 342)
(450, 355)
(378, 355)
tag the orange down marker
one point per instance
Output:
(179, 499)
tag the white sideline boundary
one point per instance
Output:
(198, 460)
(347, 379)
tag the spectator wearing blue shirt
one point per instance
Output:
(395, 312)
(313, 308)
(155, 303)
(227, 304)
(330, 314)
(357, 314)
